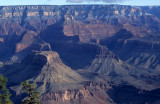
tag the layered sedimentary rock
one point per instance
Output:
(136, 51)
(56, 82)
(71, 23)
(47, 70)
(91, 93)
(114, 49)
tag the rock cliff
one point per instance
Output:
(83, 54)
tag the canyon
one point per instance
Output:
(82, 54)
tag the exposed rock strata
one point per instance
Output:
(80, 34)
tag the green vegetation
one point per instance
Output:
(33, 96)
(4, 92)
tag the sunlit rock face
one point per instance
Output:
(88, 24)
(83, 54)
(78, 20)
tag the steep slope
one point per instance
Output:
(91, 93)
(106, 63)
(23, 26)
(142, 52)
(115, 48)
(29, 42)
(46, 70)
(55, 75)
(109, 67)
(87, 23)
(57, 83)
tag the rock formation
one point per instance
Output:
(83, 54)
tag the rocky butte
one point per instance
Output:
(83, 54)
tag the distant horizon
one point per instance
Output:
(80, 2)
(77, 5)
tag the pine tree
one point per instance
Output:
(33, 96)
(4, 92)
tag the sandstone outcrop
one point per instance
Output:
(88, 54)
